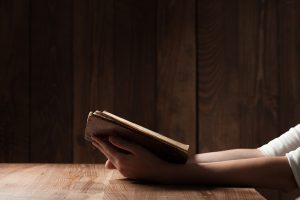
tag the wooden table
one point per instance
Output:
(93, 181)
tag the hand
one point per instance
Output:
(138, 163)
(109, 165)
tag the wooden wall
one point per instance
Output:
(138, 60)
(212, 73)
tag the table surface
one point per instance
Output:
(93, 181)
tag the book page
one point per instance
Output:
(144, 130)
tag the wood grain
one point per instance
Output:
(83, 181)
(289, 65)
(176, 71)
(135, 61)
(218, 75)
(93, 69)
(238, 73)
(51, 81)
(115, 64)
(14, 81)
(259, 80)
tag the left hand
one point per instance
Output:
(139, 163)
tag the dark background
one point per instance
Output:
(216, 74)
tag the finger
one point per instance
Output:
(111, 150)
(101, 145)
(95, 139)
(109, 165)
(123, 144)
(100, 148)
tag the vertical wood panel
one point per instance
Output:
(51, 81)
(176, 70)
(218, 75)
(241, 88)
(289, 64)
(258, 61)
(251, 26)
(14, 81)
(135, 61)
(115, 64)
(93, 68)
(289, 22)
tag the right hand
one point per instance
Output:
(109, 165)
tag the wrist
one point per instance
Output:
(174, 173)
(192, 159)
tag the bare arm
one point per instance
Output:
(233, 154)
(267, 172)
(261, 171)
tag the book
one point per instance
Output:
(104, 124)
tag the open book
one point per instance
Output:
(104, 124)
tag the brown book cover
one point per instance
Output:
(104, 124)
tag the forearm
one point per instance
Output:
(267, 172)
(233, 154)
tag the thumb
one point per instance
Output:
(109, 165)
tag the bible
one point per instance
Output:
(104, 124)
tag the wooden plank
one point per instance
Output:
(114, 54)
(93, 68)
(218, 75)
(289, 65)
(238, 90)
(135, 61)
(51, 81)
(176, 70)
(14, 81)
(289, 22)
(258, 63)
(74, 181)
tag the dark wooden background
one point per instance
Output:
(216, 74)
